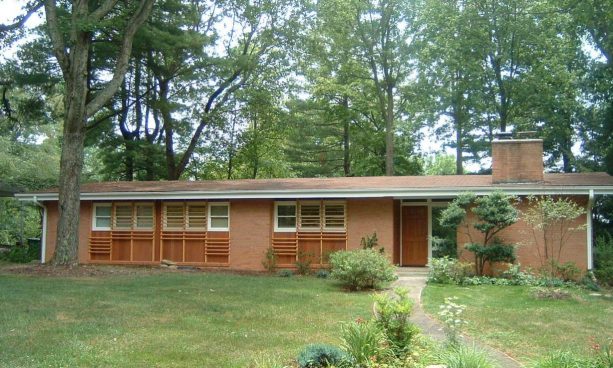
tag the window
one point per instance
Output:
(285, 216)
(144, 216)
(196, 216)
(174, 216)
(320, 216)
(123, 216)
(310, 217)
(102, 216)
(334, 216)
(219, 217)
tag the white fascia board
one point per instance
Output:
(399, 193)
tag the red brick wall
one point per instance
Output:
(250, 230)
(521, 234)
(517, 161)
(366, 216)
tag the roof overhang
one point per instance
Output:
(399, 193)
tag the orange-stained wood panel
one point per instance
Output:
(414, 235)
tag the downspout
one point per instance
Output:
(590, 235)
(43, 238)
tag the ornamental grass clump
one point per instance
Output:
(321, 355)
(365, 343)
(362, 269)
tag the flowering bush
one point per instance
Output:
(451, 316)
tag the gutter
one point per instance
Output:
(43, 238)
(398, 193)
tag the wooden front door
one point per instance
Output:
(414, 236)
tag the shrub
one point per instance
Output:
(285, 273)
(517, 277)
(392, 316)
(22, 254)
(303, 264)
(447, 270)
(362, 269)
(270, 260)
(321, 355)
(322, 274)
(567, 271)
(462, 356)
(603, 259)
(364, 342)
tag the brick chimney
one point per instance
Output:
(517, 160)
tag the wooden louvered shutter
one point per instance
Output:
(334, 216)
(174, 216)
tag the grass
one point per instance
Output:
(167, 320)
(510, 319)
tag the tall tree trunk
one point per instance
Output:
(389, 132)
(73, 140)
(459, 167)
(346, 161)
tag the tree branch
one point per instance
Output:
(103, 10)
(139, 17)
(57, 40)
(20, 21)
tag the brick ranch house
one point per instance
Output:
(232, 223)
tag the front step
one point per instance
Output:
(412, 271)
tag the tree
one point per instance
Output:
(493, 213)
(385, 29)
(553, 220)
(73, 54)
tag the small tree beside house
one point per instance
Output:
(492, 214)
(552, 223)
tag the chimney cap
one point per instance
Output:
(504, 136)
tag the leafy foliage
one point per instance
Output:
(392, 314)
(361, 269)
(603, 259)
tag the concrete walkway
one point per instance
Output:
(415, 281)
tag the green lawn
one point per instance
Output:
(167, 320)
(509, 318)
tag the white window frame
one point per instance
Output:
(96, 205)
(210, 218)
(285, 203)
(323, 216)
